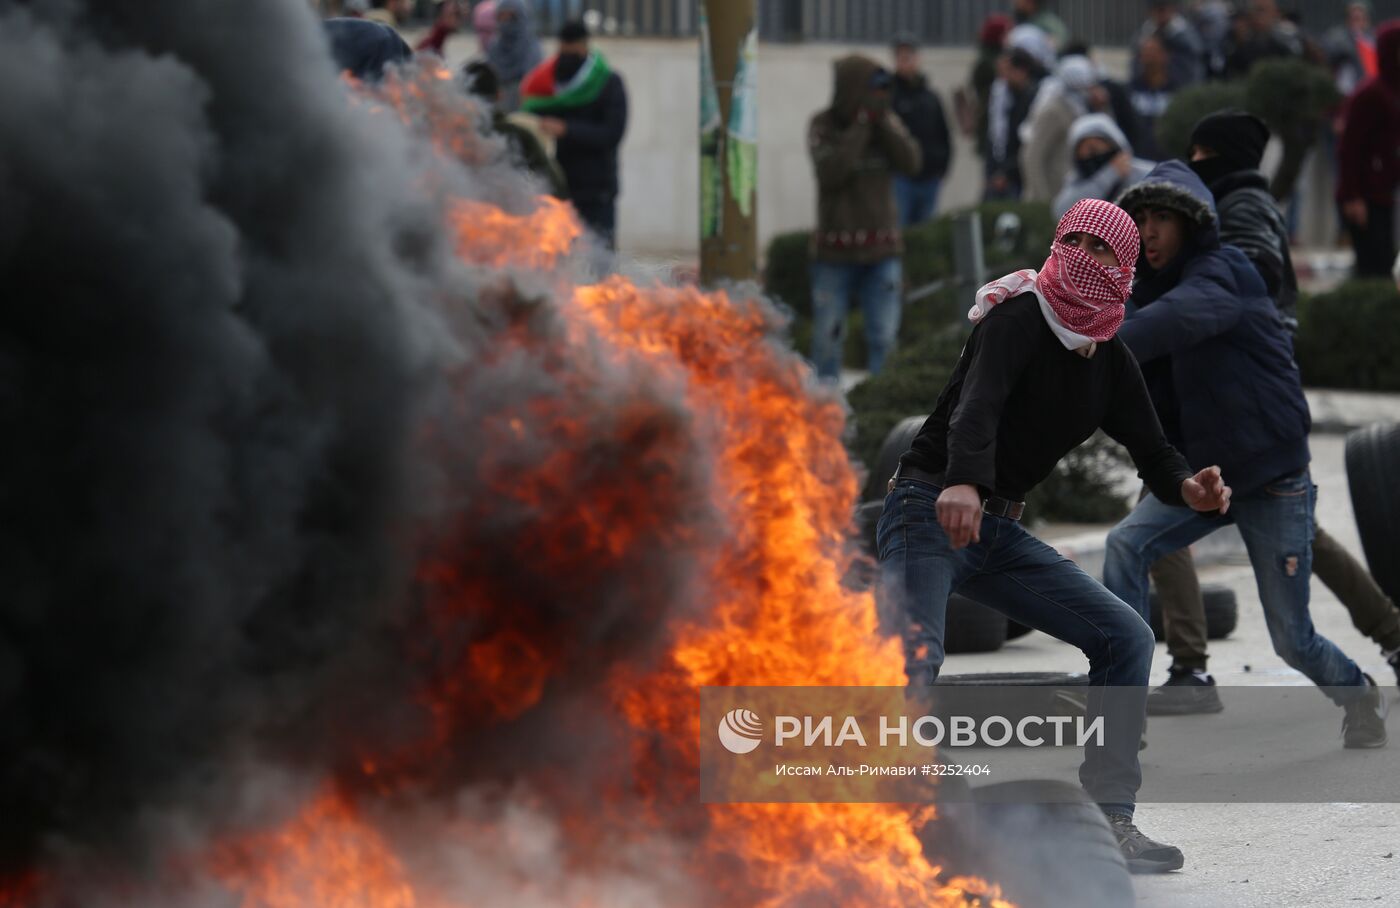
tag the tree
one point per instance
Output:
(1294, 97)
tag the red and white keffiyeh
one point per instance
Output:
(1081, 300)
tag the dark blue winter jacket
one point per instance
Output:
(364, 48)
(1216, 354)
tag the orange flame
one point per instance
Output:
(326, 857)
(486, 235)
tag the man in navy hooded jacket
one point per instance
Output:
(1218, 362)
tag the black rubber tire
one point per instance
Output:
(1372, 459)
(1016, 695)
(972, 627)
(1222, 611)
(1015, 629)
(1043, 841)
(895, 444)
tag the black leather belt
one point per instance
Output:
(997, 507)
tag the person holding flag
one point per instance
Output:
(582, 105)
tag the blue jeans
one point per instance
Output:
(1016, 574)
(916, 199)
(877, 286)
(1276, 523)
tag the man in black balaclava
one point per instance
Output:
(1226, 148)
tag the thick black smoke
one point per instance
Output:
(211, 267)
(230, 308)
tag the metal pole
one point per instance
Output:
(969, 263)
(728, 140)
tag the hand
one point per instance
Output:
(553, 127)
(1355, 211)
(960, 514)
(1206, 491)
(1123, 163)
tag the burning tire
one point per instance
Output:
(1017, 695)
(1222, 611)
(896, 443)
(1371, 457)
(1044, 842)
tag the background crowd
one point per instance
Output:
(563, 116)
(1053, 127)
(1050, 124)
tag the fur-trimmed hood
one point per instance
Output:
(1174, 186)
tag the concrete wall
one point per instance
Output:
(659, 208)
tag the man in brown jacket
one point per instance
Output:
(857, 145)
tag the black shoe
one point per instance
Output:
(1364, 724)
(1185, 693)
(1143, 854)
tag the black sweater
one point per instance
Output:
(923, 116)
(587, 151)
(1018, 401)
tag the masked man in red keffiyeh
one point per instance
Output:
(1041, 372)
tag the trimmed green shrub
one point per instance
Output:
(908, 385)
(1292, 96)
(1350, 337)
(1031, 243)
(1084, 488)
(1186, 109)
(786, 276)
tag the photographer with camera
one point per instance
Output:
(857, 145)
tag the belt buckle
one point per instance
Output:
(1006, 508)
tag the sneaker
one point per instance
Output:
(1186, 692)
(1394, 661)
(1143, 854)
(1364, 724)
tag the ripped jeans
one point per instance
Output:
(1276, 523)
